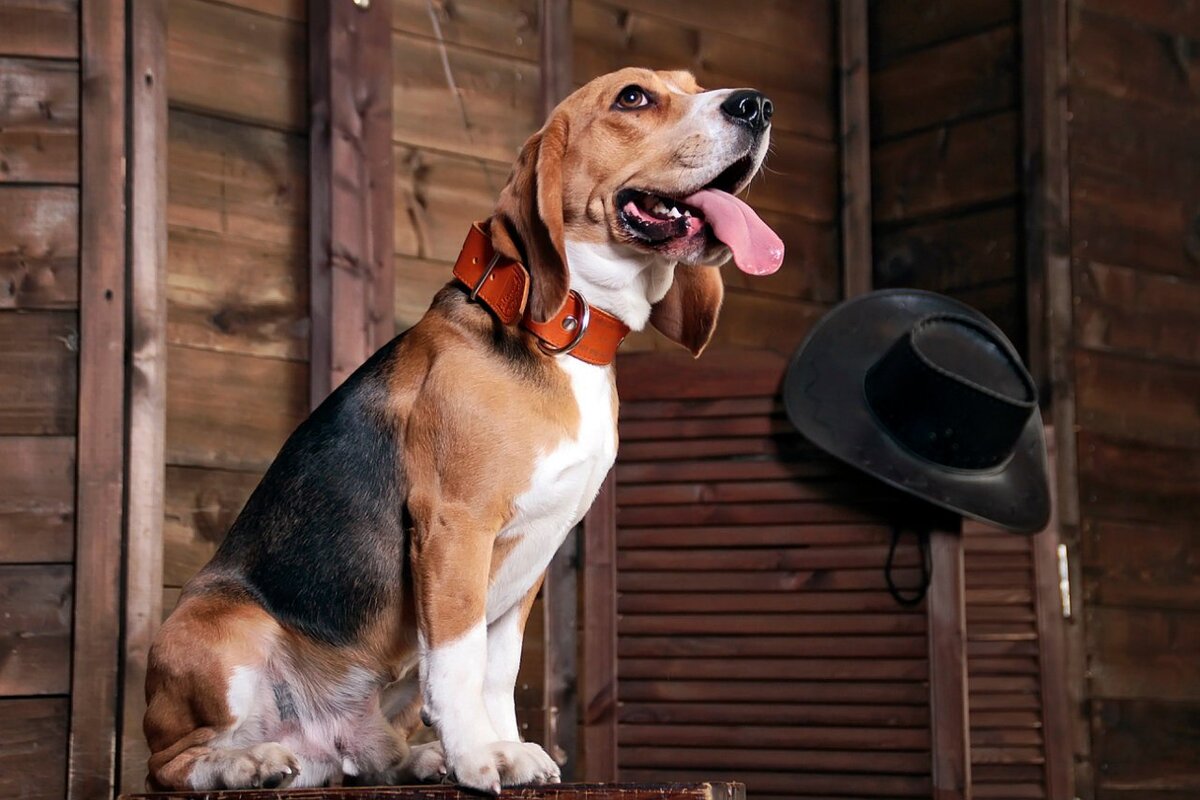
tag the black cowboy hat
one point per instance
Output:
(926, 394)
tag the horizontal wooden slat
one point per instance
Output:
(1127, 481)
(1139, 564)
(40, 28)
(499, 99)
(949, 254)
(1132, 311)
(35, 629)
(1136, 400)
(1011, 773)
(759, 784)
(944, 83)
(764, 580)
(749, 713)
(503, 27)
(39, 247)
(231, 411)
(768, 559)
(751, 736)
(237, 180)
(705, 427)
(1005, 719)
(200, 505)
(417, 281)
(753, 536)
(1148, 745)
(668, 471)
(255, 304)
(760, 602)
(1005, 737)
(689, 409)
(39, 121)
(662, 755)
(33, 748)
(1006, 701)
(1144, 653)
(438, 196)
(753, 491)
(234, 63)
(810, 267)
(37, 506)
(723, 375)
(849, 693)
(756, 514)
(899, 26)
(938, 171)
(776, 625)
(1007, 755)
(39, 359)
(1007, 791)
(833, 669)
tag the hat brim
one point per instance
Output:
(824, 397)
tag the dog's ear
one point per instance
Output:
(530, 218)
(687, 314)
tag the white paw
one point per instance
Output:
(499, 764)
(264, 766)
(426, 763)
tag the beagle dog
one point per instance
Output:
(382, 571)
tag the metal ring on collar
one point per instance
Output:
(585, 319)
(486, 273)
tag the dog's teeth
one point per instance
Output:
(660, 208)
(674, 213)
(687, 213)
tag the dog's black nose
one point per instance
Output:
(750, 108)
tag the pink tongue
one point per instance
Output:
(757, 250)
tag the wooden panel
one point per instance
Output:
(1141, 565)
(35, 629)
(500, 100)
(39, 362)
(1169, 16)
(1147, 746)
(37, 509)
(1130, 311)
(832, 714)
(966, 77)
(664, 790)
(1138, 482)
(40, 28)
(854, 105)
(810, 270)
(790, 785)
(238, 181)
(609, 36)
(755, 321)
(949, 254)
(39, 247)
(437, 198)
(1138, 400)
(231, 411)
(938, 171)
(1144, 653)
(33, 748)
(505, 27)
(200, 507)
(237, 64)
(901, 25)
(256, 303)
(417, 281)
(598, 691)
(39, 121)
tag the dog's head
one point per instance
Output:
(643, 165)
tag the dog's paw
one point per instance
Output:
(426, 763)
(264, 766)
(499, 764)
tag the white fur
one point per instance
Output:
(500, 679)
(452, 676)
(619, 279)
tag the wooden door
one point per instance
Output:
(755, 638)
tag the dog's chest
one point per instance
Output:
(563, 484)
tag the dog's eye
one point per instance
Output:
(632, 97)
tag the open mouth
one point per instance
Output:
(689, 224)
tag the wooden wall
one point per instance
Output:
(945, 127)
(1134, 172)
(39, 343)
(789, 54)
(237, 282)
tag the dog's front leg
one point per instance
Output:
(505, 637)
(451, 560)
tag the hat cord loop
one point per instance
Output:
(917, 593)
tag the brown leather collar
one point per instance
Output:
(588, 333)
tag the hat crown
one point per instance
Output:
(953, 392)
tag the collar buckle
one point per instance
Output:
(581, 327)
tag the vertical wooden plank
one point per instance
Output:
(148, 374)
(949, 727)
(351, 196)
(598, 682)
(101, 438)
(560, 591)
(855, 141)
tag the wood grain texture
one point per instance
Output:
(39, 121)
(40, 28)
(1138, 401)
(233, 63)
(504, 27)
(35, 630)
(200, 506)
(900, 26)
(99, 505)
(1143, 747)
(37, 509)
(33, 747)
(231, 411)
(1130, 311)
(598, 681)
(39, 247)
(855, 142)
(38, 356)
(949, 254)
(950, 732)
(579, 791)
(438, 196)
